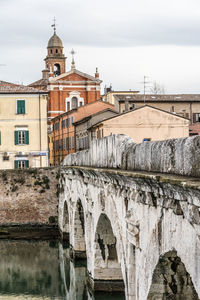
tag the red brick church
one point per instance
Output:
(67, 90)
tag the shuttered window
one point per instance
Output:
(20, 106)
(21, 164)
(21, 137)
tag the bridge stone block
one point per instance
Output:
(175, 156)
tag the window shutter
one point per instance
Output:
(27, 137)
(16, 138)
(27, 163)
(194, 118)
(16, 164)
(21, 106)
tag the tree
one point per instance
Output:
(157, 88)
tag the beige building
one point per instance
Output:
(23, 127)
(185, 105)
(110, 95)
(83, 128)
(144, 124)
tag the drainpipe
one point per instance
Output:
(40, 134)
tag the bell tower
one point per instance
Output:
(55, 59)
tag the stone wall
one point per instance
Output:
(176, 156)
(28, 197)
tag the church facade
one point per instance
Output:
(67, 89)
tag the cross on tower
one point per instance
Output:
(54, 24)
(73, 62)
(72, 53)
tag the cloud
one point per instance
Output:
(103, 23)
(126, 39)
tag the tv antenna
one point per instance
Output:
(144, 82)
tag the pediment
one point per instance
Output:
(74, 75)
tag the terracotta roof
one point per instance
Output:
(41, 82)
(12, 88)
(159, 98)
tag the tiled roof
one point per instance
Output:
(12, 88)
(40, 82)
(159, 98)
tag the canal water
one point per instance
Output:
(42, 270)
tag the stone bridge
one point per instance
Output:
(134, 212)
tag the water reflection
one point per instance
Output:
(43, 270)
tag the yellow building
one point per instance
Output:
(23, 127)
(144, 124)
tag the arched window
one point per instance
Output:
(74, 102)
(56, 70)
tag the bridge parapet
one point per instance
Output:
(175, 156)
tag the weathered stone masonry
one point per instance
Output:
(141, 228)
(29, 198)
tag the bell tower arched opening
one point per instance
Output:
(56, 70)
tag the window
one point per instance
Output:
(21, 137)
(70, 143)
(57, 145)
(73, 142)
(74, 102)
(20, 106)
(21, 164)
(63, 123)
(56, 127)
(68, 106)
(72, 120)
(81, 103)
(56, 70)
(67, 143)
(0, 137)
(146, 139)
(196, 117)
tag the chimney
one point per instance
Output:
(97, 73)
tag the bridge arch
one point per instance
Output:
(106, 263)
(65, 221)
(171, 279)
(79, 245)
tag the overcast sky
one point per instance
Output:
(124, 39)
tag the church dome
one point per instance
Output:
(55, 41)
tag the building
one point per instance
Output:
(145, 123)
(109, 95)
(67, 89)
(185, 105)
(23, 127)
(83, 128)
(63, 135)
